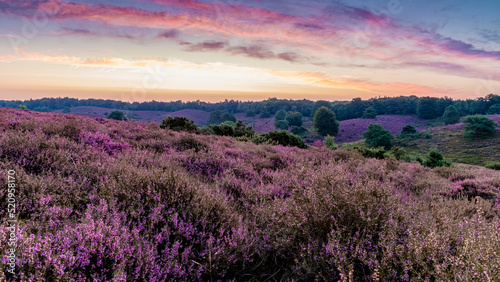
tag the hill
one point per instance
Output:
(450, 141)
(109, 200)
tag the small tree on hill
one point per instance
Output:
(479, 126)
(178, 124)
(451, 115)
(117, 115)
(377, 136)
(294, 118)
(369, 113)
(325, 122)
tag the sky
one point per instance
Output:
(212, 50)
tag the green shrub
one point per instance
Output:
(250, 113)
(23, 107)
(217, 117)
(493, 165)
(398, 152)
(494, 110)
(329, 142)
(178, 124)
(435, 159)
(377, 153)
(299, 130)
(377, 136)
(117, 115)
(223, 129)
(284, 138)
(479, 126)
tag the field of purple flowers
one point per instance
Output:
(105, 200)
(352, 130)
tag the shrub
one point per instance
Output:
(284, 138)
(178, 124)
(294, 118)
(493, 165)
(117, 115)
(377, 136)
(479, 126)
(451, 115)
(398, 152)
(408, 129)
(369, 113)
(435, 159)
(329, 142)
(281, 125)
(223, 129)
(299, 130)
(325, 122)
(377, 153)
(23, 107)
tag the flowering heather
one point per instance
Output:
(352, 130)
(105, 200)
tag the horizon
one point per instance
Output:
(213, 50)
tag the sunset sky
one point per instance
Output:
(213, 50)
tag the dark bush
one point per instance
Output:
(435, 159)
(479, 126)
(117, 115)
(178, 124)
(377, 136)
(284, 138)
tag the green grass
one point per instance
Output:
(456, 148)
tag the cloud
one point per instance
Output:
(206, 46)
(172, 33)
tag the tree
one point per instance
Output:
(280, 115)
(325, 122)
(435, 159)
(427, 108)
(178, 124)
(479, 126)
(494, 110)
(408, 129)
(117, 115)
(370, 112)
(451, 115)
(281, 125)
(377, 136)
(294, 118)
(23, 107)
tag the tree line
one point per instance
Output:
(424, 107)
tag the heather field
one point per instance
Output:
(352, 130)
(106, 200)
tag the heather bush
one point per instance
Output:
(174, 206)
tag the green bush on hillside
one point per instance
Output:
(435, 159)
(479, 126)
(178, 124)
(377, 136)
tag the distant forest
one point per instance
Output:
(430, 107)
